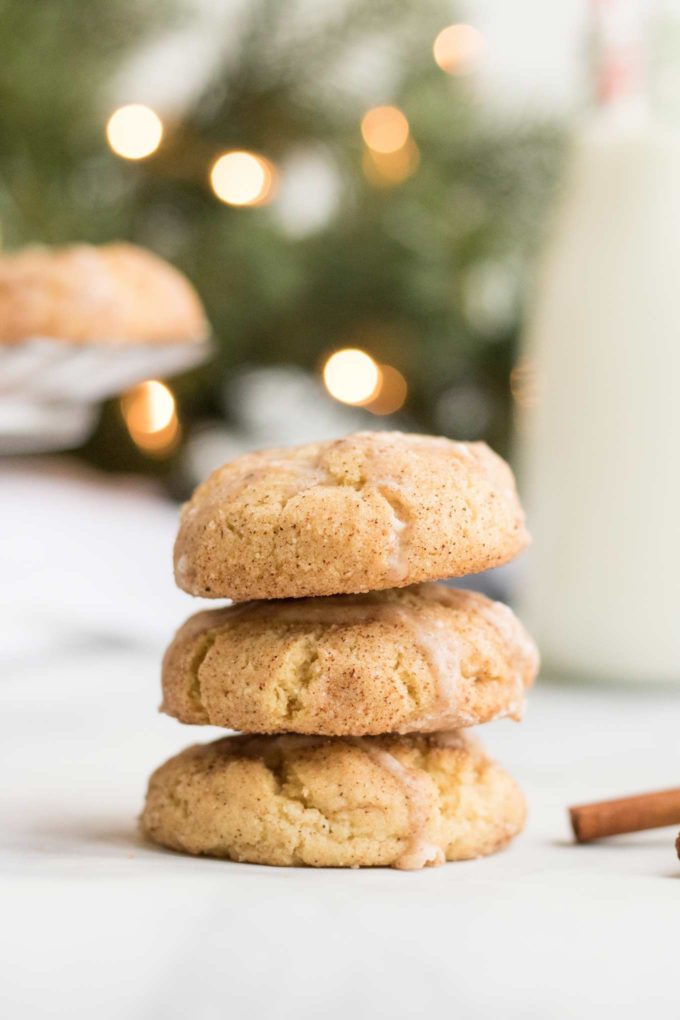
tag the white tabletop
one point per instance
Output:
(94, 923)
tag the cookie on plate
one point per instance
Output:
(402, 802)
(374, 510)
(402, 660)
(109, 293)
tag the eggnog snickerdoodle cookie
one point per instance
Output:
(114, 292)
(403, 660)
(374, 510)
(402, 802)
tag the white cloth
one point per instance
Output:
(94, 923)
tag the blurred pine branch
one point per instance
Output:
(427, 274)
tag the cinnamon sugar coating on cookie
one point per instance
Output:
(374, 510)
(415, 659)
(114, 292)
(403, 802)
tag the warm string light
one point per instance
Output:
(353, 377)
(458, 48)
(385, 129)
(238, 178)
(387, 169)
(134, 131)
(242, 178)
(392, 392)
(150, 414)
(390, 155)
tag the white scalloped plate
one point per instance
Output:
(49, 388)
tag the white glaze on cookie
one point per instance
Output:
(419, 851)
(411, 660)
(368, 512)
(402, 802)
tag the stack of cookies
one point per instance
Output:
(352, 676)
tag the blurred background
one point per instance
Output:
(452, 218)
(329, 176)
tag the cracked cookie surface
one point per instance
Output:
(374, 510)
(403, 802)
(422, 658)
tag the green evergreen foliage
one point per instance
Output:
(427, 274)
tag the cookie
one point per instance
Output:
(115, 292)
(374, 510)
(402, 660)
(402, 802)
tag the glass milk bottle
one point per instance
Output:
(600, 450)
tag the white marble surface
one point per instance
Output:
(93, 923)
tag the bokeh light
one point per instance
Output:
(391, 393)
(385, 169)
(242, 178)
(385, 129)
(352, 376)
(134, 131)
(150, 414)
(458, 48)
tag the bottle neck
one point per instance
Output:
(617, 54)
(635, 58)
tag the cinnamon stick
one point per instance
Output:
(626, 814)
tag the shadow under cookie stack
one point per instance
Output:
(351, 674)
